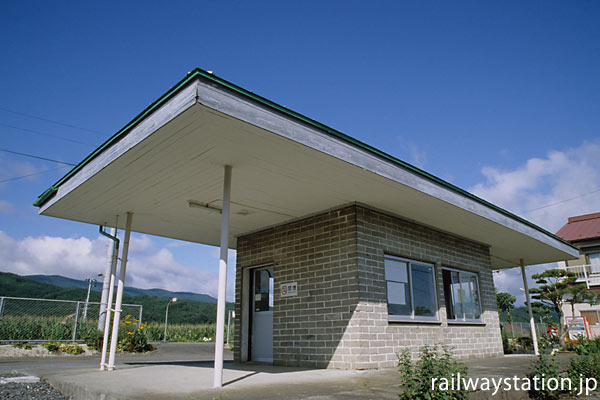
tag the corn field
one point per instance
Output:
(25, 319)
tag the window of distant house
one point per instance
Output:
(594, 262)
(461, 292)
(411, 290)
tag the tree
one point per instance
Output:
(580, 294)
(553, 292)
(505, 302)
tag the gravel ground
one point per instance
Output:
(29, 391)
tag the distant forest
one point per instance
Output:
(182, 312)
(521, 314)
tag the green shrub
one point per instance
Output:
(134, 339)
(71, 349)
(54, 347)
(506, 346)
(584, 346)
(416, 378)
(586, 364)
(525, 342)
(94, 339)
(23, 345)
(544, 366)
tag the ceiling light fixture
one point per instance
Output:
(205, 206)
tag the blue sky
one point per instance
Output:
(501, 98)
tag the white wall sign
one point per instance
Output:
(289, 289)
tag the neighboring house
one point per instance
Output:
(584, 232)
(345, 254)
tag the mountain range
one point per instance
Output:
(69, 283)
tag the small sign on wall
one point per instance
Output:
(289, 289)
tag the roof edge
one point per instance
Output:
(200, 73)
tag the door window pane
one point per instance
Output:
(263, 290)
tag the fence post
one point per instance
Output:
(1, 307)
(75, 324)
(228, 325)
(140, 318)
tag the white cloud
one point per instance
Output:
(410, 152)
(80, 258)
(561, 177)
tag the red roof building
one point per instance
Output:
(581, 228)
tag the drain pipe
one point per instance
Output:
(110, 259)
(111, 289)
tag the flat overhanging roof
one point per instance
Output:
(166, 166)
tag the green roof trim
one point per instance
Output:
(200, 73)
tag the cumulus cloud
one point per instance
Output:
(562, 179)
(545, 191)
(80, 258)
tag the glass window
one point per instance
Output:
(411, 290)
(592, 316)
(461, 292)
(594, 262)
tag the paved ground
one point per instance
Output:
(184, 371)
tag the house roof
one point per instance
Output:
(581, 227)
(291, 166)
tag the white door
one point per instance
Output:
(262, 315)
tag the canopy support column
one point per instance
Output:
(528, 299)
(115, 331)
(110, 279)
(218, 369)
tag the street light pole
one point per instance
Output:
(87, 298)
(173, 300)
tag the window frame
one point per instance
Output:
(463, 320)
(412, 317)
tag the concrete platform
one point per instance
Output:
(184, 371)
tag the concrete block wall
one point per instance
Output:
(319, 253)
(339, 318)
(379, 234)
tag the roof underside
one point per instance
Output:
(283, 168)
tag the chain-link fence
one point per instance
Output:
(522, 329)
(26, 319)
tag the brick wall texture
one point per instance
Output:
(339, 318)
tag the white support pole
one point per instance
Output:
(218, 370)
(110, 260)
(531, 320)
(109, 298)
(119, 300)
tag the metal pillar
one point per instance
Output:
(119, 300)
(111, 288)
(75, 323)
(111, 260)
(531, 320)
(219, 341)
